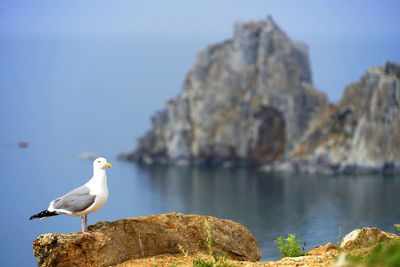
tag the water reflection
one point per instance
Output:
(270, 205)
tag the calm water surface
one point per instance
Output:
(68, 95)
(265, 203)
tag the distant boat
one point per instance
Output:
(22, 144)
(87, 156)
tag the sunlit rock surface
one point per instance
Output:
(116, 242)
(365, 238)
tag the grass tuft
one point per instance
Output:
(184, 251)
(290, 247)
(209, 236)
(339, 238)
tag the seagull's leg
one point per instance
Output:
(84, 228)
(91, 231)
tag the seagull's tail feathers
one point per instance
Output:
(44, 214)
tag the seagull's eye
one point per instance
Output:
(98, 161)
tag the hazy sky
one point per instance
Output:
(179, 17)
(345, 37)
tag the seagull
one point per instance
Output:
(83, 200)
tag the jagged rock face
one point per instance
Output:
(363, 132)
(246, 99)
(116, 242)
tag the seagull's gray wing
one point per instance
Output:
(77, 200)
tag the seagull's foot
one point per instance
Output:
(89, 233)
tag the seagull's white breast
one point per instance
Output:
(98, 187)
(101, 198)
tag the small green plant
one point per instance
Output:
(339, 238)
(209, 236)
(290, 247)
(183, 250)
(202, 263)
(397, 227)
(383, 254)
(174, 264)
(219, 261)
(217, 257)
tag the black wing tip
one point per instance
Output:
(43, 214)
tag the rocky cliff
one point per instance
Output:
(361, 133)
(246, 100)
(251, 100)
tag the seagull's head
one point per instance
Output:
(101, 163)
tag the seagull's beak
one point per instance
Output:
(107, 165)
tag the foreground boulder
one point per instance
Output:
(365, 238)
(116, 242)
